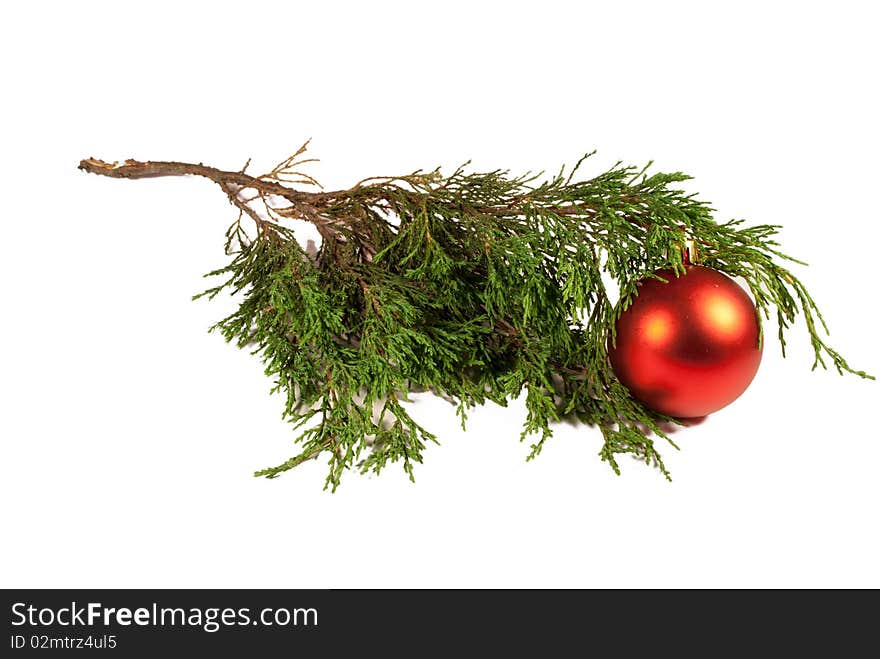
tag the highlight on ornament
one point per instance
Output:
(486, 286)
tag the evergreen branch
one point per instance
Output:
(476, 286)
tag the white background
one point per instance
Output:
(129, 434)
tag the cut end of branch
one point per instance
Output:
(96, 166)
(128, 169)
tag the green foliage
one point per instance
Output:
(479, 287)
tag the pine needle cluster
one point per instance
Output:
(475, 286)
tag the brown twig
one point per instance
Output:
(309, 206)
(135, 169)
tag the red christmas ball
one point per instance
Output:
(688, 346)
